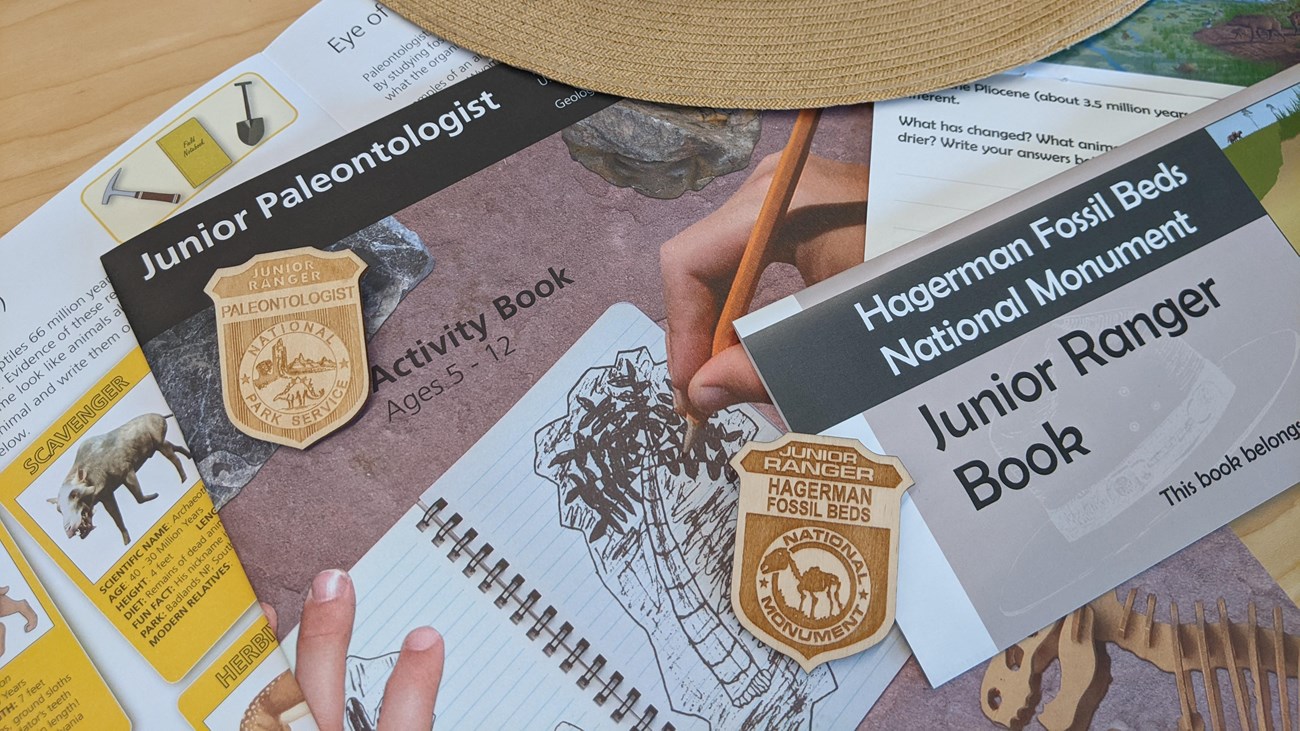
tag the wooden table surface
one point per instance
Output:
(78, 77)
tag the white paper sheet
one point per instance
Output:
(938, 158)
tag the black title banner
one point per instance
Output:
(339, 188)
(908, 325)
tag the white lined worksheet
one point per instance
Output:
(939, 157)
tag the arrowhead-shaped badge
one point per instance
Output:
(292, 343)
(816, 561)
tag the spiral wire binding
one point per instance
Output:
(557, 641)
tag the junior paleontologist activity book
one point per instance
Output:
(1082, 379)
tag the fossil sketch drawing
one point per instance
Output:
(363, 688)
(659, 527)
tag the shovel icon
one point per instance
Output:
(251, 129)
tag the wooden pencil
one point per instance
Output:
(757, 252)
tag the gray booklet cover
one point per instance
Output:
(1082, 379)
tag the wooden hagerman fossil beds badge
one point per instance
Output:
(816, 561)
(292, 343)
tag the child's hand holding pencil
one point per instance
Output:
(795, 208)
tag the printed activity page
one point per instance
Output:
(937, 157)
(359, 60)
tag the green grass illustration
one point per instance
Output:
(1289, 124)
(1258, 158)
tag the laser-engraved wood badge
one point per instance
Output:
(816, 564)
(292, 343)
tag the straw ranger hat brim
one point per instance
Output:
(765, 54)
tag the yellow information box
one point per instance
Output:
(111, 494)
(248, 686)
(46, 679)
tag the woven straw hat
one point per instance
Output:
(765, 54)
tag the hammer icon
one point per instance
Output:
(113, 190)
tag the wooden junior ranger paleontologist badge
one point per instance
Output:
(292, 343)
(816, 561)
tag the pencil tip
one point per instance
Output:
(692, 433)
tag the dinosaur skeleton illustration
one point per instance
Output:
(811, 583)
(1012, 686)
(659, 525)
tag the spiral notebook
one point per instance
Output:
(578, 566)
